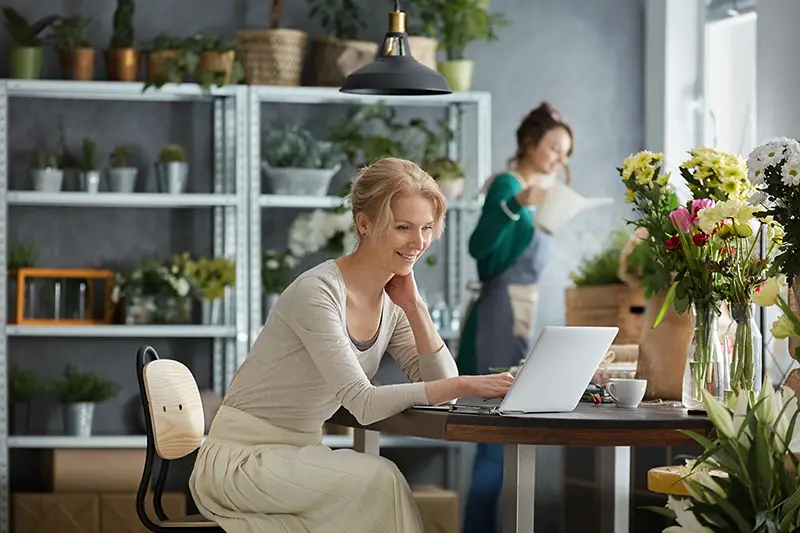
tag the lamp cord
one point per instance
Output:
(397, 5)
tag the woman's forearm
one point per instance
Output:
(426, 337)
(448, 389)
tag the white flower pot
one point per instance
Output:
(452, 188)
(89, 181)
(122, 179)
(47, 179)
(78, 418)
(300, 181)
(172, 177)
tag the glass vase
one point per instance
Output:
(743, 344)
(158, 309)
(705, 366)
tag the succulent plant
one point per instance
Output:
(172, 153)
(120, 157)
(122, 35)
(294, 147)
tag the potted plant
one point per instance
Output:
(122, 59)
(274, 56)
(340, 52)
(79, 393)
(212, 277)
(172, 169)
(121, 175)
(76, 57)
(423, 47)
(447, 172)
(47, 174)
(457, 23)
(370, 132)
(299, 164)
(26, 54)
(168, 61)
(22, 256)
(88, 175)
(277, 272)
(217, 62)
(24, 386)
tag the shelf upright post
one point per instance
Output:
(253, 173)
(237, 118)
(453, 267)
(4, 429)
(218, 233)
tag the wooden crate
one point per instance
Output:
(608, 305)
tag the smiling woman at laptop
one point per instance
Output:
(263, 466)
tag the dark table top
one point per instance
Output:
(587, 425)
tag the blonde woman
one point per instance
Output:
(263, 467)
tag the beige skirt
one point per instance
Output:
(294, 483)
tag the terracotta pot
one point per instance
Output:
(122, 64)
(218, 62)
(78, 64)
(156, 61)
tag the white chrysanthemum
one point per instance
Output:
(687, 521)
(272, 264)
(790, 173)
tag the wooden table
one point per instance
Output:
(612, 428)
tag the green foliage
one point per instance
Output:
(601, 268)
(88, 160)
(293, 147)
(641, 264)
(22, 256)
(212, 276)
(277, 271)
(371, 132)
(172, 153)
(78, 387)
(341, 18)
(69, 33)
(46, 159)
(25, 385)
(123, 31)
(456, 23)
(22, 32)
(120, 157)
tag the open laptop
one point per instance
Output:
(561, 364)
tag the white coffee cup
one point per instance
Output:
(626, 393)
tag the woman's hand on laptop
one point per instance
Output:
(490, 386)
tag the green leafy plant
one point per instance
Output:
(176, 67)
(22, 32)
(22, 256)
(80, 387)
(277, 270)
(69, 33)
(293, 147)
(746, 479)
(371, 132)
(172, 153)
(211, 276)
(25, 385)
(88, 160)
(120, 157)
(205, 76)
(340, 18)
(122, 26)
(601, 268)
(456, 23)
(47, 159)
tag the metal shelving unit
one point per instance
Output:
(237, 204)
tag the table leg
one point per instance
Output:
(519, 488)
(614, 464)
(367, 441)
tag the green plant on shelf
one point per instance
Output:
(122, 26)
(291, 146)
(212, 276)
(120, 157)
(208, 74)
(172, 153)
(26, 385)
(85, 387)
(22, 256)
(22, 31)
(601, 268)
(182, 61)
(170, 278)
(69, 33)
(46, 159)
(88, 160)
(371, 132)
(277, 270)
(342, 19)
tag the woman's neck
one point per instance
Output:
(527, 172)
(361, 275)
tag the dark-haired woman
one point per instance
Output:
(511, 254)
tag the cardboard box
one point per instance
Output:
(440, 509)
(89, 470)
(50, 513)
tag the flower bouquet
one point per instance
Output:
(746, 479)
(717, 175)
(330, 230)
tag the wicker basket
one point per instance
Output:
(423, 49)
(608, 305)
(332, 59)
(272, 57)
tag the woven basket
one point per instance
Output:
(332, 59)
(423, 49)
(272, 57)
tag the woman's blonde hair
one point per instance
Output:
(377, 186)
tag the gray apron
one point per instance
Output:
(506, 319)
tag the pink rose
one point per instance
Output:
(698, 205)
(682, 220)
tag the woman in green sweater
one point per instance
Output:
(511, 254)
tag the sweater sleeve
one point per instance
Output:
(427, 367)
(315, 317)
(495, 224)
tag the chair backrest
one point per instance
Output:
(174, 406)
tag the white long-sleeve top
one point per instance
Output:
(304, 366)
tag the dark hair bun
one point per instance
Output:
(536, 124)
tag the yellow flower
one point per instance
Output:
(630, 196)
(663, 180)
(767, 293)
(645, 175)
(783, 328)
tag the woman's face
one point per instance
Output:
(407, 237)
(551, 153)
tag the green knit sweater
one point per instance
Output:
(497, 243)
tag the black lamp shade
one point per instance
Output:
(399, 75)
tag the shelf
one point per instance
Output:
(111, 199)
(123, 331)
(139, 441)
(323, 202)
(331, 95)
(110, 90)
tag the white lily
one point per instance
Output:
(719, 414)
(687, 521)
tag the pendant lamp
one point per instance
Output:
(394, 71)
